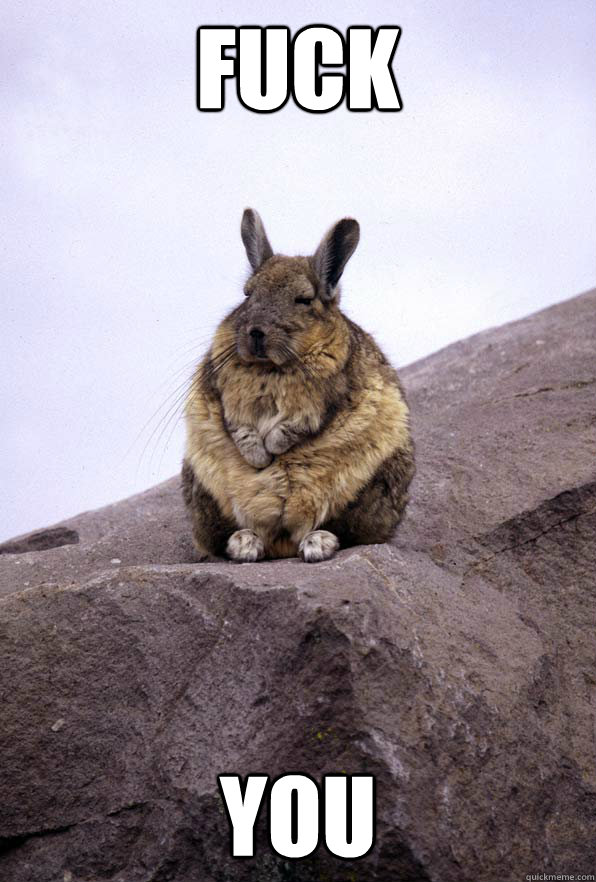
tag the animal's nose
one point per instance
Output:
(257, 341)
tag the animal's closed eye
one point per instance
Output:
(305, 300)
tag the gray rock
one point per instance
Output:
(456, 664)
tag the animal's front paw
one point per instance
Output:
(256, 456)
(245, 546)
(318, 545)
(250, 445)
(278, 440)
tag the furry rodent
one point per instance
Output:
(297, 427)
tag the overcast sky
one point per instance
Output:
(121, 206)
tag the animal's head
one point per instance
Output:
(289, 300)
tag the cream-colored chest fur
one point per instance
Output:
(312, 481)
(262, 400)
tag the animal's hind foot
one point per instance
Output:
(318, 545)
(244, 546)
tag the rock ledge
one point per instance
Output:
(455, 664)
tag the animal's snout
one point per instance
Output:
(257, 342)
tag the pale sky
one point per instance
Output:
(121, 207)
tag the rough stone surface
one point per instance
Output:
(456, 663)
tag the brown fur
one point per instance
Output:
(323, 414)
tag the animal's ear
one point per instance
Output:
(258, 249)
(333, 253)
